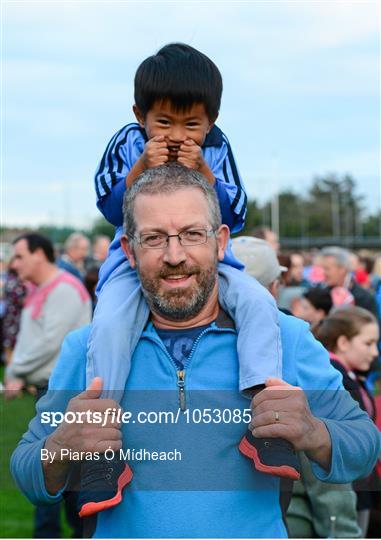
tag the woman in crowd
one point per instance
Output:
(350, 334)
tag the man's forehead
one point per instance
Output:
(167, 209)
(21, 246)
(330, 259)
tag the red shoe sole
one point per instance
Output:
(284, 471)
(91, 508)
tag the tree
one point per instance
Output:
(372, 226)
(334, 207)
(101, 226)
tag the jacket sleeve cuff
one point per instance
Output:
(331, 476)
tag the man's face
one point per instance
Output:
(334, 275)
(175, 125)
(80, 251)
(177, 280)
(26, 263)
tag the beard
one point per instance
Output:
(179, 304)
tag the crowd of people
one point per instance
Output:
(45, 295)
(176, 307)
(320, 287)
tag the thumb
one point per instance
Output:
(274, 381)
(94, 390)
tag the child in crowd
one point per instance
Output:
(177, 100)
(350, 334)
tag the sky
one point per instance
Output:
(301, 93)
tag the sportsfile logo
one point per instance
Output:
(115, 415)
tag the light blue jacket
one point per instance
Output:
(213, 491)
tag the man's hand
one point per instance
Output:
(89, 437)
(13, 388)
(81, 437)
(155, 152)
(281, 410)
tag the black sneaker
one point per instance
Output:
(271, 456)
(102, 483)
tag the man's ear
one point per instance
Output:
(139, 116)
(222, 235)
(127, 250)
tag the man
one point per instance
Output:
(214, 491)
(337, 268)
(77, 247)
(58, 305)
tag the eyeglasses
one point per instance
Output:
(191, 237)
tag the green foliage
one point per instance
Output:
(372, 225)
(16, 512)
(253, 217)
(101, 226)
(57, 235)
(330, 208)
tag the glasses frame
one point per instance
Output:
(208, 232)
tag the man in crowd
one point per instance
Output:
(337, 268)
(76, 249)
(58, 305)
(216, 492)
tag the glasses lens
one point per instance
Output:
(193, 237)
(153, 240)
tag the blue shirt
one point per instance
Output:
(214, 491)
(179, 343)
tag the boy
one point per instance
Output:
(177, 100)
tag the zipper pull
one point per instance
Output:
(181, 385)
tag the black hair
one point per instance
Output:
(181, 74)
(37, 241)
(320, 298)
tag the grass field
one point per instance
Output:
(16, 512)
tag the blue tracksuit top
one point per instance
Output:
(214, 491)
(122, 152)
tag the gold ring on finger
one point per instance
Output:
(277, 419)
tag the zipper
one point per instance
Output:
(181, 386)
(182, 372)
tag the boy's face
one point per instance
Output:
(175, 125)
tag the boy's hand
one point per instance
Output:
(190, 155)
(155, 152)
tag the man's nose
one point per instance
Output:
(174, 253)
